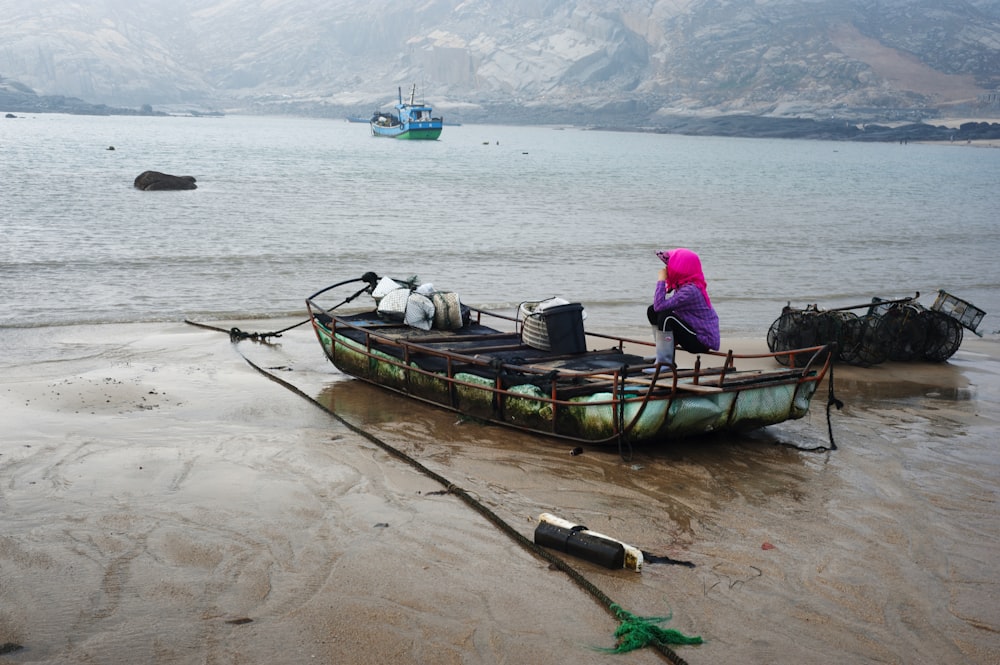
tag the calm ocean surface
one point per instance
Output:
(285, 206)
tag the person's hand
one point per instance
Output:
(663, 274)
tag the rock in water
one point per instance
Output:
(154, 180)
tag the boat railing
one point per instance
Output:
(481, 314)
(815, 366)
(411, 350)
(812, 353)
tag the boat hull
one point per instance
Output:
(622, 411)
(430, 132)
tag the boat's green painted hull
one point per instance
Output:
(430, 134)
(412, 134)
(596, 417)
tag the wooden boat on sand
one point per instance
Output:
(538, 370)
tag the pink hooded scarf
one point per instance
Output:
(684, 267)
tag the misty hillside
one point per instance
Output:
(638, 59)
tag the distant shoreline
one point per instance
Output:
(978, 143)
(953, 131)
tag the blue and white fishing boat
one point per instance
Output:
(409, 121)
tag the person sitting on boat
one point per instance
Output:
(681, 306)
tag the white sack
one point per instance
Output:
(392, 305)
(419, 311)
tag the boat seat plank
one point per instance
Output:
(697, 387)
(443, 339)
(664, 381)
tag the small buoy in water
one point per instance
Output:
(111, 147)
(767, 546)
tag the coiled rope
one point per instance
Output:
(633, 632)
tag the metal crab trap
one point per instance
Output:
(898, 330)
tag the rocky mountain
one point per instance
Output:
(631, 62)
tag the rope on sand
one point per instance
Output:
(831, 401)
(236, 335)
(633, 632)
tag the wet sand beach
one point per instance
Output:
(163, 502)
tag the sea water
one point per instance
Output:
(499, 214)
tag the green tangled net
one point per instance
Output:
(636, 632)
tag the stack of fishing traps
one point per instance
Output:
(888, 330)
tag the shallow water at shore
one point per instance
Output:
(285, 206)
(163, 502)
